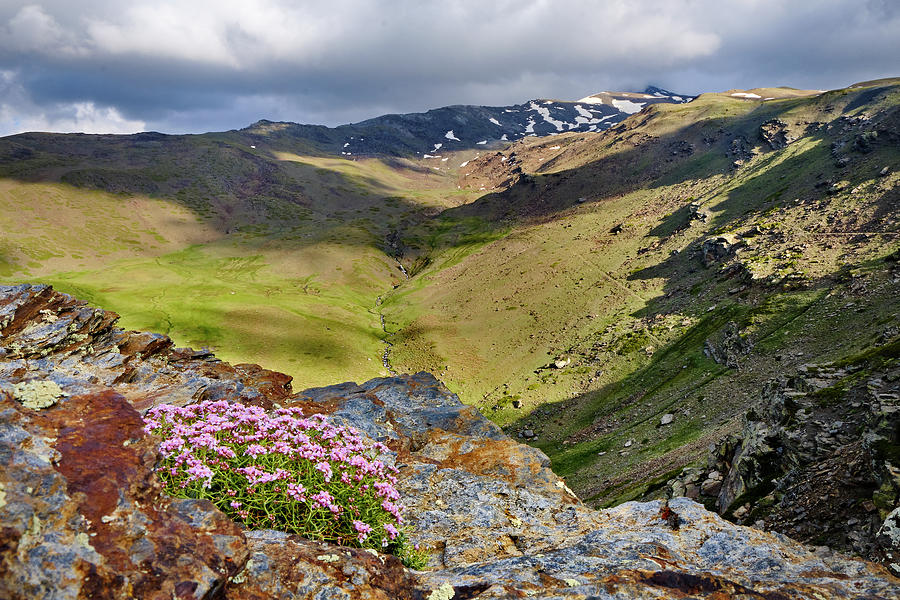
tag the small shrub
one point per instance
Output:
(283, 471)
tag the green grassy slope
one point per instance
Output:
(265, 255)
(632, 311)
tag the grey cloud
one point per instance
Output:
(212, 65)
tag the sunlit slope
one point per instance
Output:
(585, 313)
(269, 257)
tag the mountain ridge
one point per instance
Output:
(471, 125)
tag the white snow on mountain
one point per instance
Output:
(591, 100)
(585, 117)
(627, 106)
(449, 135)
(545, 113)
(494, 121)
(746, 95)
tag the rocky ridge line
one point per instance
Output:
(84, 517)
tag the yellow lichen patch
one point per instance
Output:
(38, 394)
(2, 495)
(329, 558)
(445, 592)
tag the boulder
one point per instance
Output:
(716, 248)
(776, 134)
(888, 538)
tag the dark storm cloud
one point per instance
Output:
(178, 66)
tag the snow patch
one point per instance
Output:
(530, 127)
(437, 146)
(545, 113)
(746, 95)
(346, 144)
(553, 148)
(430, 156)
(494, 121)
(449, 135)
(503, 138)
(462, 164)
(445, 159)
(627, 106)
(482, 142)
(585, 117)
(591, 100)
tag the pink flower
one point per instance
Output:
(323, 499)
(296, 491)
(255, 450)
(209, 442)
(362, 529)
(325, 469)
(392, 508)
(386, 490)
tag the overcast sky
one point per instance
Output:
(121, 66)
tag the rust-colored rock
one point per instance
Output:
(283, 566)
(84, 516)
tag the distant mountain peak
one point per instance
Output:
(658, 91)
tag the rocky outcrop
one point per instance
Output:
(83, 515)
(717, 248)
(728, 346)
(776, 134)
(816, 459)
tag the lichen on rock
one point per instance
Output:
(37, 394)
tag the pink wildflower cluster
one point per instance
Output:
(280, 470)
